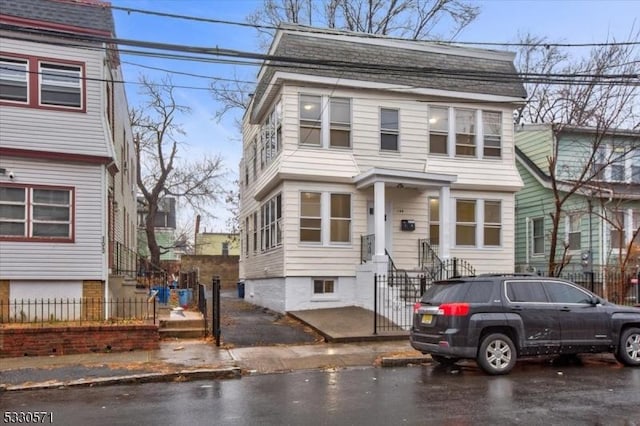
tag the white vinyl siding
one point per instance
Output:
(49, 129)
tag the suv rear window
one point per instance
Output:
(458, 291)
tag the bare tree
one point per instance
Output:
(161, 171)
(598, 91)
(414, 19)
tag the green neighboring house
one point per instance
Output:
(613, 194)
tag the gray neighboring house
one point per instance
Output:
(67, 160)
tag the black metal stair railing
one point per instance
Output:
(129, 263)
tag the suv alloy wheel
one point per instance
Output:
(497, 354)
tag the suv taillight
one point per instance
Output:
(454, 309)
(416, 306)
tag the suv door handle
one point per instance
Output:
(565, 309)
(516, 308)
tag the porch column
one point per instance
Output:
(445, 223)
(379, 257)
(378, 218)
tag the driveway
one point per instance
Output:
(244, 324)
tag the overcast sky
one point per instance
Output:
(577, 21)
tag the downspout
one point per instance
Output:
(527, 223)
(603, 239)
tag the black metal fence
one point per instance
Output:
(617, 287)
(393, 300)
(77, 311)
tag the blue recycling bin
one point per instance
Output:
(185, 295)
(162, 294)
(241, 289)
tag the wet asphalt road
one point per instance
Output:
(534, 394)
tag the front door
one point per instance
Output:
(387, 224)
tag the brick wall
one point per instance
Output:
(17, 342)
(224, 266)
(92, 290)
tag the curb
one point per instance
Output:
(187, 375)
(403, 362)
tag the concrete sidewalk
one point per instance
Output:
(195, 360)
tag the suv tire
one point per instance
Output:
(629, 347)
(497, 354)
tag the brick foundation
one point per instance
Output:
(16, 342)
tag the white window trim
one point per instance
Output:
(567, 231)
(532, 248)
(479, 223)
(324, 297)
(389, 131)
(325, 122)
(325, 220)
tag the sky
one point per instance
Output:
(562, 21)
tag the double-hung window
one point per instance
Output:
(434, 221)
(492, 223)
(14, 77)
(465, 132)
(574, 231)
(336, 215)
(492, 128)
(340, 122)
(271, 213)
(389, 129)
(537, 231)
(466, 222)
(60, 85)
(438, 130)
(36, 213)
(618, 164)
(635, 166)
(616, 229)
(340, 218)
(310, 120)
(310, 217)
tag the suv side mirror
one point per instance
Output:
(595, 300)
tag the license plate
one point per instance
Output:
(426, 318)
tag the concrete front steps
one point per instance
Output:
(181, 324)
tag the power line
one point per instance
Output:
(281, 61)
(305, 29)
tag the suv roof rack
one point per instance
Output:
(508, 274)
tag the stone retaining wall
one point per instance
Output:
(39, 341)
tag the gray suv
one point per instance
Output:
(495, 319)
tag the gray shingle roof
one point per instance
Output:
(89, 14)
(322, 48)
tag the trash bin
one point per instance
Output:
(185, 295)
(162, 293)
(241, 289)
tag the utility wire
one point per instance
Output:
(280, 61)
(302, 28)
